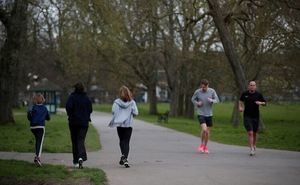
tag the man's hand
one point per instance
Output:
(199, 104)
(241, 109)
(210, 100)
(241, 106)
(260, 103)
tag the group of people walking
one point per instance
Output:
(79, 109)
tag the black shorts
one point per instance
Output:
(205, 119)
(251, 124)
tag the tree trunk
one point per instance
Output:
(261, 125)
(189, 106)
(15, 23)
(174, 100)
(172, 63)
(228, 44)
(152, 99)
(180, 104)
(235, 117)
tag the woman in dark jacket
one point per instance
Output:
(79, 109)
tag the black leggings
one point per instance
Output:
(78, 134)
(124, 134)
(39, 138)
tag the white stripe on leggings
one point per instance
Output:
(40, 152)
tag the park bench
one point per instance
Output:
(163, 117)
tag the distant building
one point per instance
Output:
(49, 90)
(100, 95)
(162, 92)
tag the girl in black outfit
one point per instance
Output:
(79, 109)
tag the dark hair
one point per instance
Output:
(79, 87)
(204, 82)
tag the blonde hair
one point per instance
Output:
(38, 98)
(125, 94)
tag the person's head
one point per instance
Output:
(79, 87)
(252, 86)
(125, 94)
(38, 99)
(204, 85)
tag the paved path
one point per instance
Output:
(161, 156)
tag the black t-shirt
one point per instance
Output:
(249, 99)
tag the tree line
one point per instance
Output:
(112, 42)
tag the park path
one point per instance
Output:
(160, 156)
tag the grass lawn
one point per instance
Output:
(18, 137)
(281, 120)
(19, 172)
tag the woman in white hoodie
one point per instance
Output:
(123, 110)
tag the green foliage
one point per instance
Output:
(20, 171)
(281, 120)
(18, 137)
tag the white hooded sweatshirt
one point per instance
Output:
(123, 113)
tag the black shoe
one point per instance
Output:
(122, 160)
(126, 164)
(37, 161)
(80, 162)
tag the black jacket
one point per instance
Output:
(79, 108)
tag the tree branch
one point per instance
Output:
(290, 6)
(193, 22)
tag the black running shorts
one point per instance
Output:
(251, 124)
(205, 119)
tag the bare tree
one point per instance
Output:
(13, 16)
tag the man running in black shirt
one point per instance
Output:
(249, 103)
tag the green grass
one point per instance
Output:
(18, 137)
(19, 172)
(282, 123)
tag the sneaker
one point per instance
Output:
(122, 160)
(76, 165)
(252, 152)
(206, 150)
(126, 164)
(80, 162)
(201, 148)
(37, 161)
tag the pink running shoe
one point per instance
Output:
(201, 148)
(206, 150)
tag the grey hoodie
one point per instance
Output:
(123, 113)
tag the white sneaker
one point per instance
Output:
(76, 165)
(252, 152)
(80, 161)
(126, 164)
